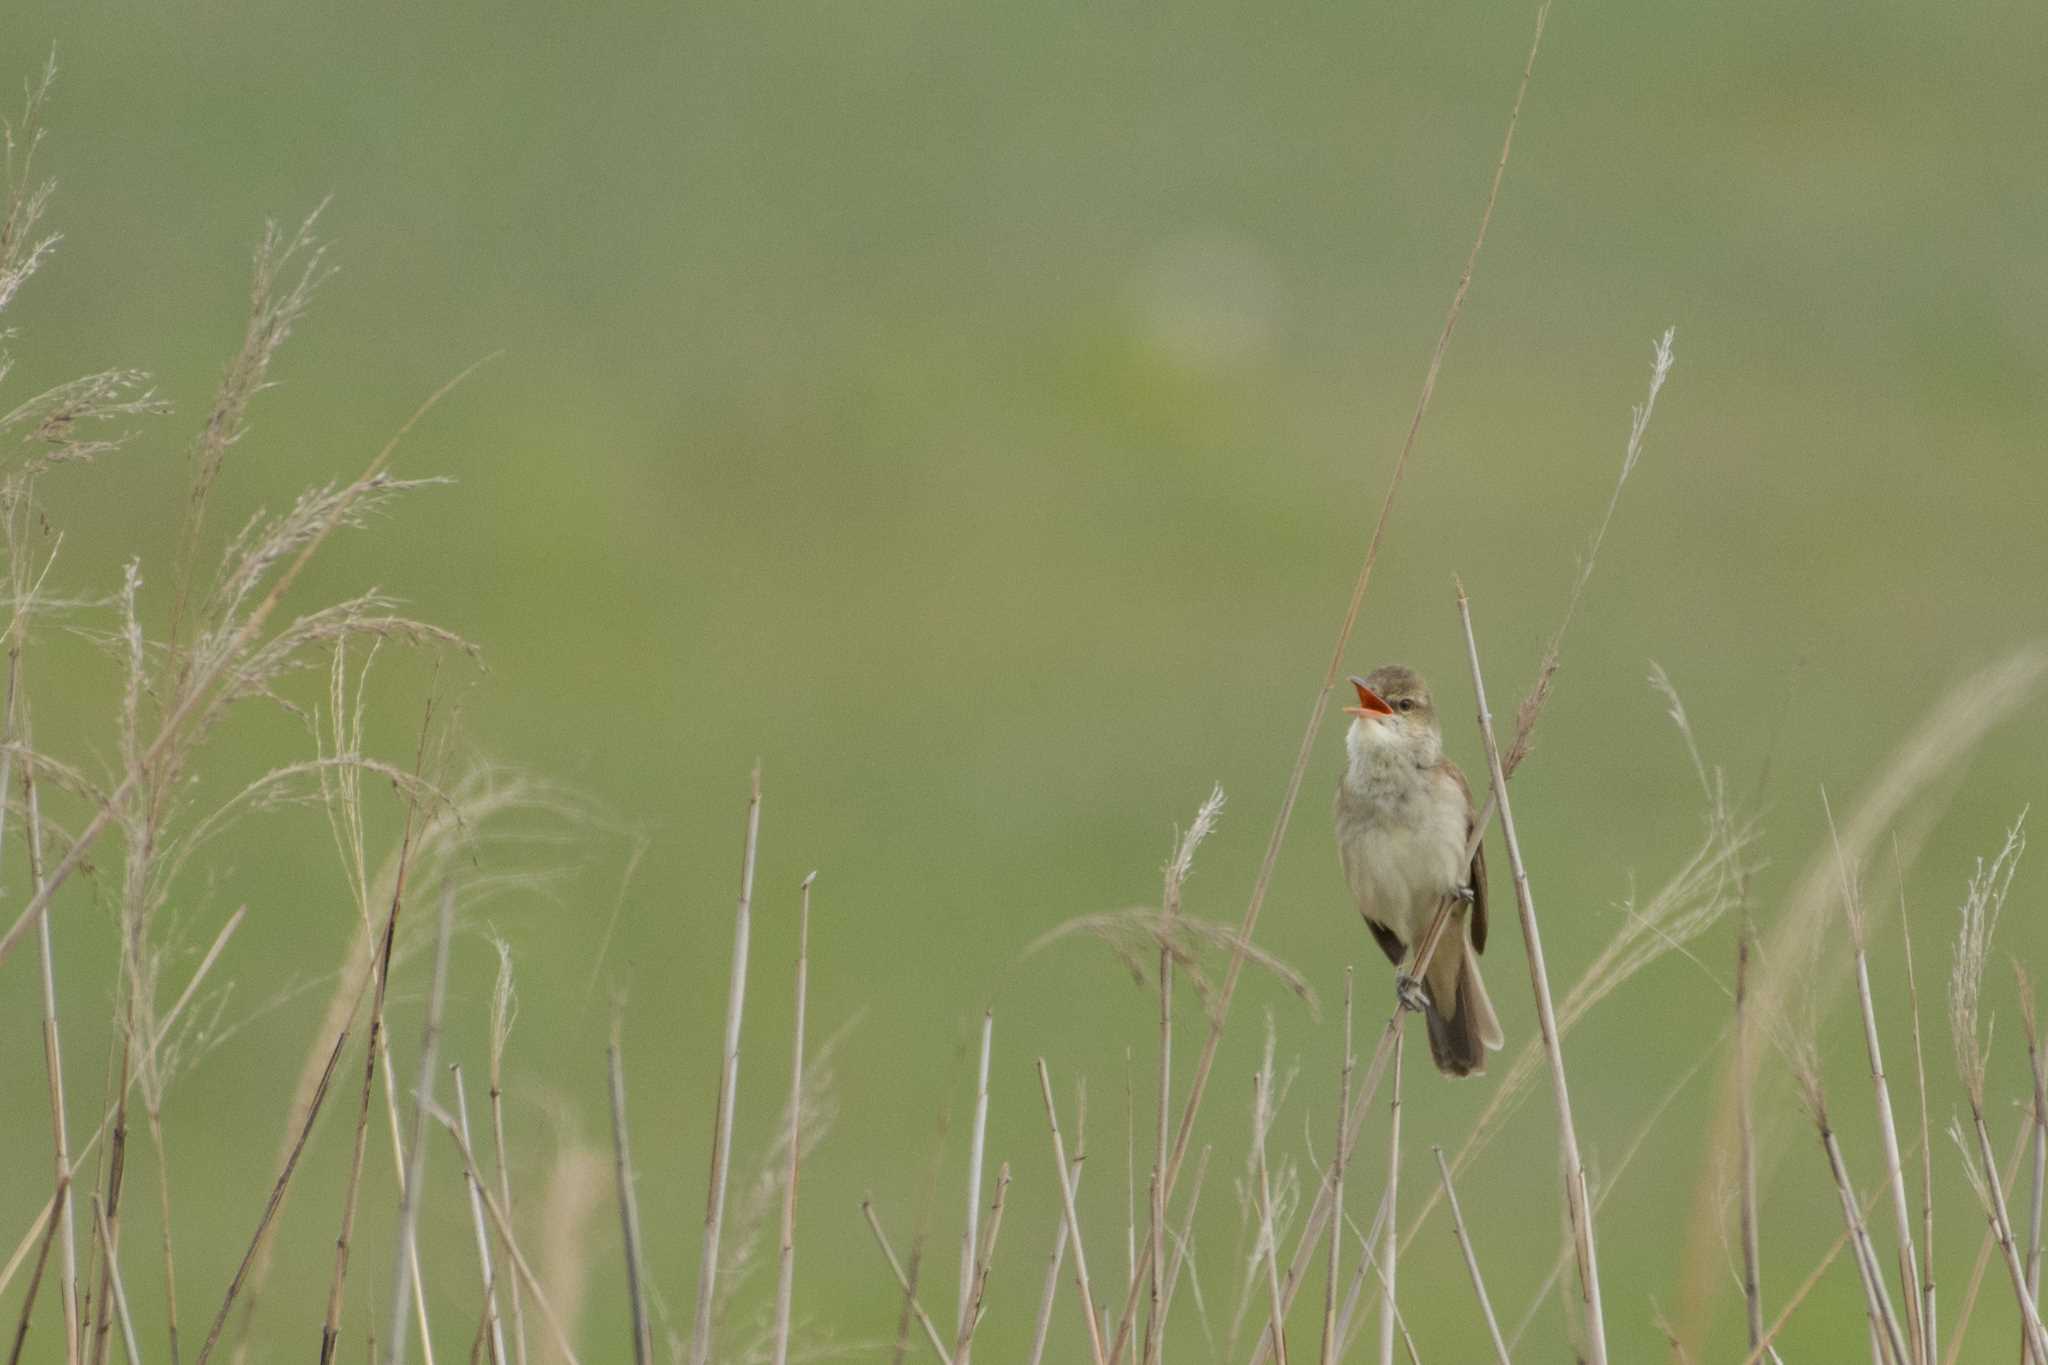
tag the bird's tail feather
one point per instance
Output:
(1459, 1040)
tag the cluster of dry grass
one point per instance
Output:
(1311, 1224)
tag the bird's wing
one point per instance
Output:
(1478, 918)
(1389, 941)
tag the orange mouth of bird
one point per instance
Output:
(1370, 703)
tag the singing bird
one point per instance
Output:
(1404, 817)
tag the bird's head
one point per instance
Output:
(1395, 711)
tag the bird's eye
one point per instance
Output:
(1406, 703)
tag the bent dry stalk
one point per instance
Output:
(1576, 1202)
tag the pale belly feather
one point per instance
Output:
(1402, 857)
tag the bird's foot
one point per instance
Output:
(1410, 993)
(1464, 895)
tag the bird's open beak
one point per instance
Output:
(1369, 702)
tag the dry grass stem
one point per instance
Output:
(404, 1261)
(164, 1028)
(1982, 1262)
(380, 971)
(985, 1256)
(2040, 1112)
(1567, 1254)
(1320, 1208)
(1745, 1127)
(904, 1282)
(1877, 1301)
(114, 1286)
(1546, 1018)
(1983, 1172)
(1184, 1240)
(53, 1050)
(492, 1328)
(1928, 1335)
(1765, 1350)
(1389, 1247)
(1327, 1355)
(1073, 1217)
(984, 1263)
(35, 1283)
(1198, 1083)
(270, 1209)
(1048, 1292)
(1500, 1348)
(1178, 868)
(504, 1006)
(1894, 1170)
(977, 1140)
(728, 1086)
(629, 1205)
(785, 1269)
(1553, 653)
(1369, 1265)
(1983, 905)
(541, 1300)
(1268, 1251)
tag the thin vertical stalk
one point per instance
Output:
(35, 1280)
(152, 1108)
(1389, 1248)
(277, 1192)
(1048, 1292)
(381, 952)
(1130, 1174)
(1928, 1336)
(1186, 1236)
(903, 1280)
(629, 1205)
(1458, 1230)
(1576, 1201)
(53, 1052)
(2040, 1170)
(2001, 1223)
(1894, 1171)
(492, 1328)
(984, 1259)
(976, 1144)
(1876, 1300)
(40, 1224)
(519, 1264)
(1983, 1259)
(1269, 1236)
(2040, 1117)
(1329, 1347)
(1752, 1255)
(118, 1294)
(1764, 1349)
(501, 1030)
(416, 1149)
(785, 1274)
(1059, 1152)
(728, 1087)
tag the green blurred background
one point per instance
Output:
(977, 414)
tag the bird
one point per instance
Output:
(1404, 818)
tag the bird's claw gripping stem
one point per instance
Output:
(1464, 895)
(1410, 993)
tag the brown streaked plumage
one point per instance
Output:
(1404, 816)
